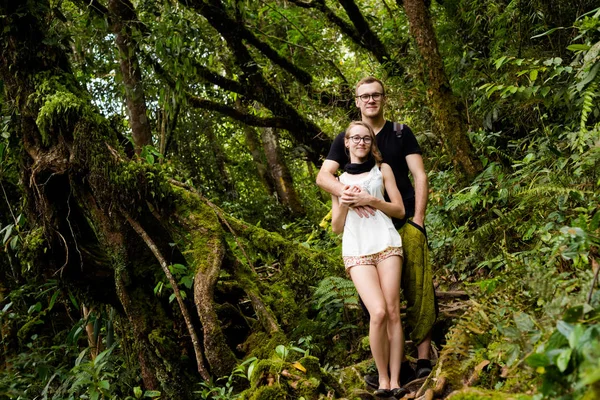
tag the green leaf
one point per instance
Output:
(573, 314)
(524, 322)
(9, 229)
(152, 393)
(590, 376)
(158, 287)
(137, 392)
(548, 32)
(53, 300)
(13, 242)
(578, 47)
(537, 360)
(556, 341)
(575, 336)
(499, 62)
(187, 281)
(251, 369)
(533, 74)
(104, 384)
(589, 76)
(99, 359)
(562, 362)
(73, 300)
(564, 328)
(281, 351)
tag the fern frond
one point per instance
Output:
(543, 190)
(334, 289)
(588, 103)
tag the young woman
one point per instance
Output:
(372, 249)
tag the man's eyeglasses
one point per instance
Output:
(366, 97)
(357, 139)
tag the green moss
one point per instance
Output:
(261, 345)
(32, 247)
(481, 394)
(23, 332)
(265, 371)
(62, 103)
(309, 388)
(351, 377)
(202, 230)
(312, 366)
(59, 107)
(269, 393)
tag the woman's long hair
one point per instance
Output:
(374, 149)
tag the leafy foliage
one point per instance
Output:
(522, 238)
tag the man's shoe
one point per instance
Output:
(407, 373)
(372, 381)
(423, 368)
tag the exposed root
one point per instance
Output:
(432, 393)
(264, 315)
(165, 267)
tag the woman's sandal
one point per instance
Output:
(383, 393)
(399, 392)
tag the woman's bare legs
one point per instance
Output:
(390, 272)
(367, 282)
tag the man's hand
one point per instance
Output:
(364, 211)
(358, 199)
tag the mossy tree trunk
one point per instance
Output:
(108, 221)
(449, 121)
(122, 15)
(280, 172)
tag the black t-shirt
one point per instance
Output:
(394, 151)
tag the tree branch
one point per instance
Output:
(359, 32)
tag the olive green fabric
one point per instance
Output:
(417, 283)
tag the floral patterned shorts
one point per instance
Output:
(372, 259)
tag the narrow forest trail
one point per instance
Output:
(452, 304)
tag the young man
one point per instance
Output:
(399, 149)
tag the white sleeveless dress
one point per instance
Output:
(368, 236)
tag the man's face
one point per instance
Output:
(370, 107)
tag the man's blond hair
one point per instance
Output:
(366, 80)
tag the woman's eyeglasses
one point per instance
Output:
(357, 139)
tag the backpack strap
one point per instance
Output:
(398, 129)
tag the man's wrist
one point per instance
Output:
(418, 220)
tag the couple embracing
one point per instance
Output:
(384, 245)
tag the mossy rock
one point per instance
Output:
(307, 388)
(261, 345)
(312, 366)
(352, 377)
(266, 371)
(268, 393)
(482, 394)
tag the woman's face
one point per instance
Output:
(359, 142)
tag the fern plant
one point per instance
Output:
(333, 296)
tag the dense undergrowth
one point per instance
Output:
(523, 239)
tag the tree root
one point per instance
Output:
(186, 316)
